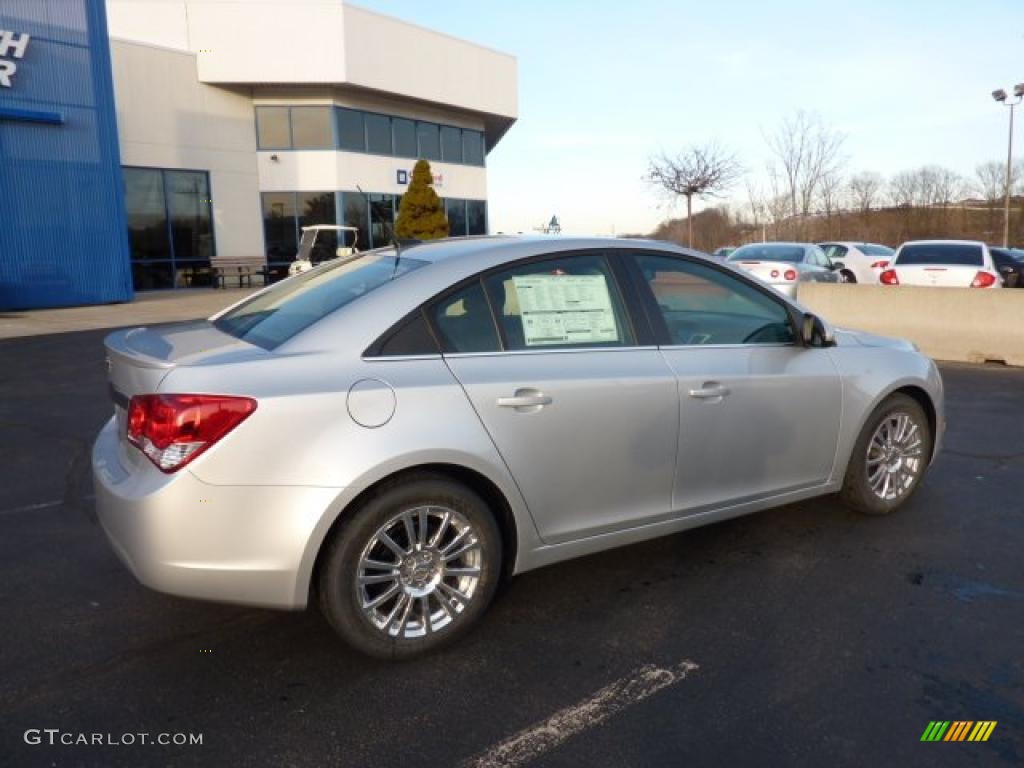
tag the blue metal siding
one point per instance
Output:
(63, 233)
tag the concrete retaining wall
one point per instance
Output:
(963, 324)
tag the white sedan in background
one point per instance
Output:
(862, 262)
(944, 264)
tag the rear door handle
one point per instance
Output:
(709, 391)
(525, 398)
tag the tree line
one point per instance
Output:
(805, 193)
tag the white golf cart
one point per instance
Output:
(323, 242)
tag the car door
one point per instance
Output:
(759, 413)
(585, 417)
(818, 266)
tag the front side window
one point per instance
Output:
(834, 251)
(559, 303)
(701, 305)
(273, 317)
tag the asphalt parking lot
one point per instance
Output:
(815, 636)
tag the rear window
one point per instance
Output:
(956, 254)
(272, 318)
(769, 252)
(875, 250)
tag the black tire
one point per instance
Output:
(342, 598)
(857, 493)
(846, 276)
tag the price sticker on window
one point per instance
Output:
(566, 309)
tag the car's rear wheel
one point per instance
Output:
(889, 458)
(412, 568)
(846, 276)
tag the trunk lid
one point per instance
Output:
(939, 275)
(768, 271)
(138, 359)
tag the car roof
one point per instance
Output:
(779, 242)
(941, 241)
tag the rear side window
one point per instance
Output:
(834, 251)
(271, 318)
(954, 254)
(464, 322)
(565, 302)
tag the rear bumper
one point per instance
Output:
(176, 534)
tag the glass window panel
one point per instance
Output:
(564, 302)
(473, 147)
(272, 131)
(188, 202)
(701, 305)
(279, 226)
(152, 275)
(356, 215)
(455, 210)
(464, 321)
(382, 219)
(378, 134)
(476, 217)
(451, 144)
(147, 214)
(429, 136)
(318, 208)
(351, 131)
(404, 132)
(311, 128)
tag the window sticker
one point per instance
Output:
(565, 309)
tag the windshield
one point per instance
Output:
(768, 252)
(273, 317)
(956, 254)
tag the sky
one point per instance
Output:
(604, 86)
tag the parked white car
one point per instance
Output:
(944, 264)
(862, 262)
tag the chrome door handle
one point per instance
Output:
(525, 398)
(709, 391)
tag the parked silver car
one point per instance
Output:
(394, 433)
(785, 265)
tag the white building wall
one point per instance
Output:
(167, 119)
(328, 171)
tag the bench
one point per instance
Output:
(240, 268)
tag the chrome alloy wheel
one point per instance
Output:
(419, 571)
(895, 456)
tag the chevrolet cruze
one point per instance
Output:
(392, 434)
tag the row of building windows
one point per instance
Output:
(286, 213)
(170, 227)
(354, 130)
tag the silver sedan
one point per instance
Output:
(394, 433)
(785, 265)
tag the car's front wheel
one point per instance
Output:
(889, 458)
(412, 568)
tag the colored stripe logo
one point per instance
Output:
(958, 730)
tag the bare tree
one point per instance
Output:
(991, 181)
(807, 150)
(903, 189)
(700, 171)
(830, 190)
(864, 189)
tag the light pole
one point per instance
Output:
(1002, 98)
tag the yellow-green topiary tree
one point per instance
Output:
(421, 214)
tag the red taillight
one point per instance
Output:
(790, 274)
(172, 430)
(983, 280)
(879, 264)
(889, 277)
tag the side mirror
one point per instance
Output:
(814, 332)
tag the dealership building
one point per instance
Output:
(139, 139)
